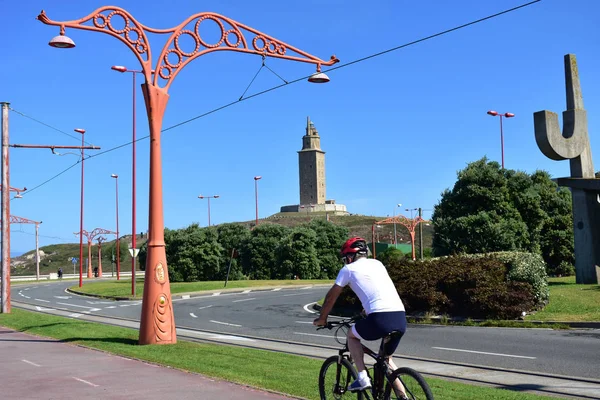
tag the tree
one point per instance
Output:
(328, 242)
(299, 255)
(260, 258)
(598, 175)
(494, 209)
(231, 237)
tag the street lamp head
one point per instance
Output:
(200, 197)
(119, 68)
(399, 205)
(492, 113)
(257, 178)
(114, 176)
(18, 196)
(79, 130)
(318, 77)
(62, 42)
(216, 196)
(509, 115)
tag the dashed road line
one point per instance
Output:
(202, 308)
(276, 289)
(246, 291)
(314, 334)
(304, 322)
(237, 301)
(484, 352)
(185, 296)
(75, 315)
(193, 315)
(86, 382)
(42, 300)
(31, 363)
(224, 323)
(297, 294)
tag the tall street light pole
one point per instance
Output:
(82, 131)
(157, 323)
(133, 72)
(506, 115)
(116, 177)
(216, 196)
(256, 179)
(395, 236)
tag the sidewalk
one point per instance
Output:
(38, 368)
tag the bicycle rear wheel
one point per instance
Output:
(415, 385)
(335, 378)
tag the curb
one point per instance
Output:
(572, 324)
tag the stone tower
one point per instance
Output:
(311, 163)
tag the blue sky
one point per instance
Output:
(396, 128)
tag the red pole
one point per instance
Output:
(133, 244)
(502, 141)
(118, 256)
(81, 217)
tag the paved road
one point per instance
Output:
(284, 317)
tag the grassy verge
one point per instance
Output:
(284, 373)
(122, 288)
(570, 302)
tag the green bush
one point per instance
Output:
(495, 286)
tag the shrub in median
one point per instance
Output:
(494, 286)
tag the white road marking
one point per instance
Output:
(314, 334)
(306, 287)
(224, 323)
(44, 301)
(89, 383)
(307, 309)
(276, 289)
(43, 309)
(185, 296)
(296, 294)
(99, 302)
(75, 315)
(202, 308)
(304, 322)
(111, 307)
(246, 291)
(32, 363)
(216, 294)
(193, 315)
(215, 336)
(27, 297)
(237, 301)
(484, 352)
(75, 305)
(63, 297)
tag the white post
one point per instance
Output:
(5, 205)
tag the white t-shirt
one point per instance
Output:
(369, 279)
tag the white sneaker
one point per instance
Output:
(359, 385)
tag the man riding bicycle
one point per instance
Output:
(369, 279)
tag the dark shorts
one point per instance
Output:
(378, 325)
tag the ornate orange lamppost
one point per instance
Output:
(409, 223)
(157, 324)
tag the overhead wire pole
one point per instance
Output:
(81, 148)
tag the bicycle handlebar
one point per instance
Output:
(332, 324)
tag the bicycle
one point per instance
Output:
(413, 382)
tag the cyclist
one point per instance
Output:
(368, 278)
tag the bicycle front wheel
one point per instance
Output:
(414, 384)
(335, 378)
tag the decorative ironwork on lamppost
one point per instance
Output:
(157, 324)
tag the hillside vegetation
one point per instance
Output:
(58, 255)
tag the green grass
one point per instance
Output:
(122, 288)
(570, 302)
(294, 375)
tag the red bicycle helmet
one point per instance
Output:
(354, 245)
